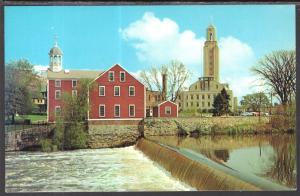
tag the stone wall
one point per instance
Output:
(108, 136)
(171, 126)
(22, 139)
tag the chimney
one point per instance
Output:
(164, 87)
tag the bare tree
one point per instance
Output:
(177, 75)
(278, 70)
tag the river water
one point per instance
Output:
(272, 157)
(118, 169)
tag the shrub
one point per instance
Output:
(46, 145)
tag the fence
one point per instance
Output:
(23, 126)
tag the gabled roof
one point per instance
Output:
(73, 74)
(121, 68)
(166, 102)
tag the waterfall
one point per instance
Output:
(195, 174)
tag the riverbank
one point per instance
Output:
(209, 126)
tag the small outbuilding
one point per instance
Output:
(166, 109)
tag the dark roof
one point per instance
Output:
(55, 51)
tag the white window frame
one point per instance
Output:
(133, 110)
(73, 84)
(123, 72)
(100, 91)
(167, 107)
(115, 91)
(100, 110)
(59, 94)
(74, 94)
(113, 73)
(115, 110)
(59, 83)
(57, 107)
(133, 91)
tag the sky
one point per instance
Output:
(138, 37)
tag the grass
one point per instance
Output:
(32, 117)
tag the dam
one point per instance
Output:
(222, 162)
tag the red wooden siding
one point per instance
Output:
(66, 87)
(162, 106)
(109, 100)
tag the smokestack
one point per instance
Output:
(164, 86)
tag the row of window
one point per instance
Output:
(117, 91)
(58, 83)
(198, 96)
(196, 104)
(117, 110)
(111, 76)
(58, 94)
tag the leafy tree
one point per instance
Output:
(221, 103)
(278, 70)
(70, 132)
(21, 84)
(255, 101)
(177, 76)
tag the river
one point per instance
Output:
(272, 157)
(118, 169)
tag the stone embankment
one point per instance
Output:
(108, 136)
(204, 125)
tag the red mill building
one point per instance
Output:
(118, 96)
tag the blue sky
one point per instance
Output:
(141, 36)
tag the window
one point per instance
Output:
(196, 87)
(197, 104)
(208, 96)
(197, 96)
(202, 103)
(192, 97)
(74, 93)
(168, 110)
(131, 110)
(208, 104)
(117, 110)
(57, 94)
(191, 103)
(74, 83)
(57, 83)
(131, 91)
(203, 97)
(57, 110)
(179, 97)
(117, 91)
(101, 90)
(187, 104)
(179, 104)
(187, 97)
(122, 76)
(101, 110)
(111, 76)
(217, 86)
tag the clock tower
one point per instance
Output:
(211, 54)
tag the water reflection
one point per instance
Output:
(269, 156)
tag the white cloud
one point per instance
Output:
(158, 41)
(40, 68)
(235, 56)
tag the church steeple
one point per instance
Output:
(55, 56)
(211, 54)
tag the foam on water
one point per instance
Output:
(119, 169)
